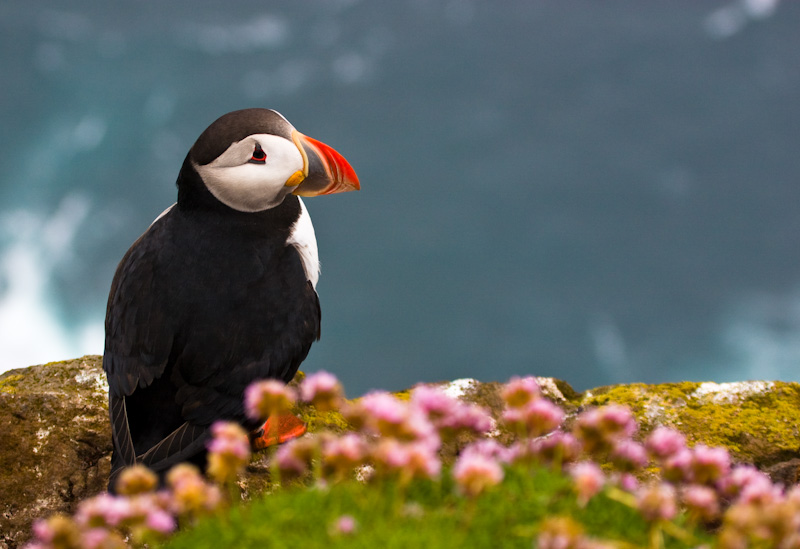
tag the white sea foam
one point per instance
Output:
(732, 18)
(761, 336)
(30, 330)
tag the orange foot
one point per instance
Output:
(277, 430)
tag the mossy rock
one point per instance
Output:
(55, 441)
(757, 421)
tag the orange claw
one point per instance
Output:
(278, 430)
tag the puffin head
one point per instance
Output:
(251, 159)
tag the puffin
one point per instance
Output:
(219, 291)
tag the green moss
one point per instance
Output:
(762, 428)
(321, 421)
(758, 426)
(9, 384)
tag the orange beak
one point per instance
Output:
(325, 171)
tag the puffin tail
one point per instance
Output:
(124, 454)
(183, 443)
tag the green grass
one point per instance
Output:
(423, 514)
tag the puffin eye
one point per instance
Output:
(259, 156)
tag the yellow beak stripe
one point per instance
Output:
(295, 179)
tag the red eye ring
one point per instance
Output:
(259, 156)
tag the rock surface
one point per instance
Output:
(55, 440)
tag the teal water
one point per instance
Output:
(600, 191)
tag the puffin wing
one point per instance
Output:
(138, 320)
(138, 333)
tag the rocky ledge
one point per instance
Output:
(55, 439)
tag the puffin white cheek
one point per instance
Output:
(247, 188)
(252, 187)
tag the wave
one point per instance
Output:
(31, 330)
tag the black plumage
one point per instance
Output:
(206, 301)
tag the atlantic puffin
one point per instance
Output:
(219, 291)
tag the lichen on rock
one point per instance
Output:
(757, 421)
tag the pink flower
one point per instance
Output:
(388, 416)
(626, 481)
(587, 479)
(190, 493)
(99, 511)
(384, 413)
(323, 390)
(344, 526)
(417, 428)
(536, 418)
(556, 448)
(228, 451)
(450, 416)
(709, 464)
(519, 392)
(229, 438)
(344, 453)
(160, 521)
(137, 479)
(474, 473)
(390, 455)
(288, 462)
(104, 510)
(664, 442)
(744, 478)
(57, 527)
(384, 406)
(460, 417)
(268, 397)
(701, 502)
(761, 493)
(598, 429)
(434, 402)
(294, 458)
(100, 538)
(423, 461)
(627, 455)
(468, 417)
(183, 473)
(408, 459)
(678, 467)
(490, 449)
(793, 496)
(617, 421)
(657, 502)
(140, 507)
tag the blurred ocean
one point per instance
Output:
(604, 192)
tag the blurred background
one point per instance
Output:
(605, 192)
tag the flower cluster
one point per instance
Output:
(268, 397)
(600, 449)
(140, 513)
(323, 390)
(228, 451)
(394, 438)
